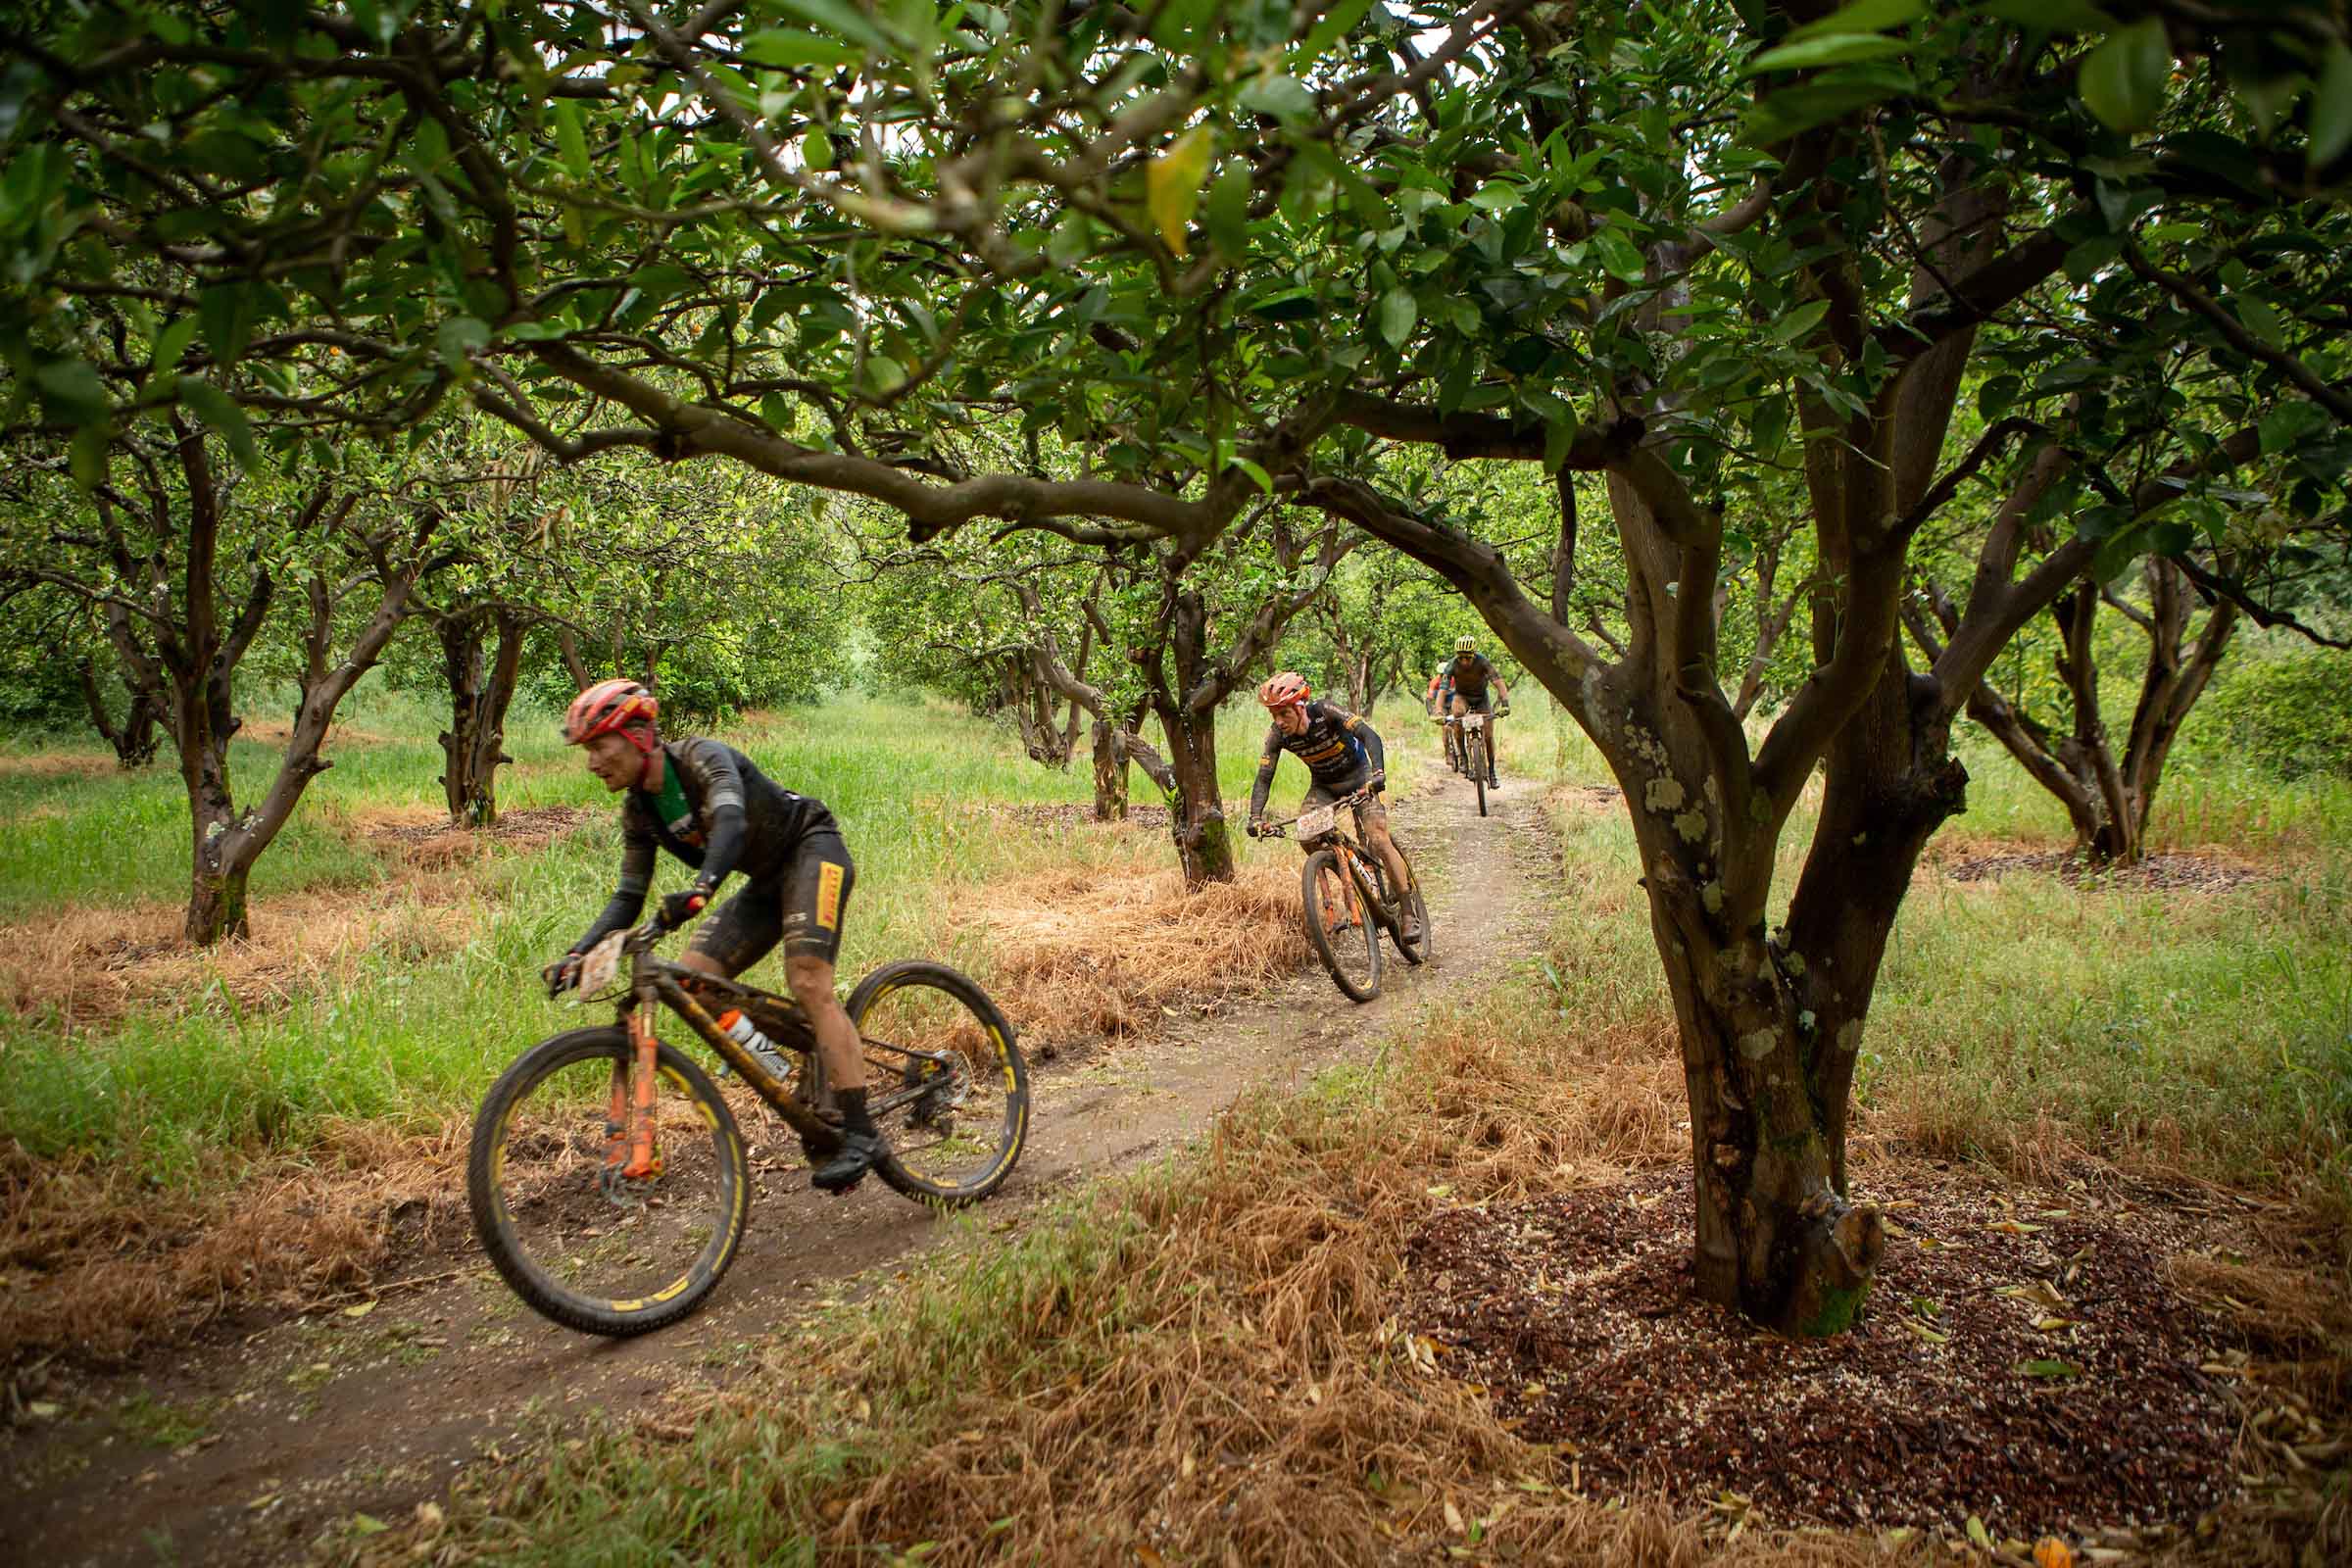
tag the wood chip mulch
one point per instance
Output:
(2155, 873)
(2022, 1365)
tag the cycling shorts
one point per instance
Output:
(802, 909)
(1481, 702)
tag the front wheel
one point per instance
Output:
(946, 1081)
(1478, 769)
(1341, 927)
(580, 1243)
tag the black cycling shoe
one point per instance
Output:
(848, 1166)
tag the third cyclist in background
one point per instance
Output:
(1343, 755)
(1469, 684)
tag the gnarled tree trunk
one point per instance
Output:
(480, 691)
(134, 739)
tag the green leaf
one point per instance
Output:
(218, 409)
(172, 343)
(571, 140)
(92, 445)
(838, 17)
(1495, 195)
(2123, 79)
(1832, 95)
(227, 311)
(2287, 425)
(2331, 107)
(71, 391)
(1831, 49)
(1286, 98)
(1327, 31)
(2261, 319)
(1559, 435)
(1398, 313)
(2049, 1369)
(1863, 16)
(1229, 210)
(817, 148)
(1618, 255)
(1795, 324)
(460, 337)
(1995, 396)
(884, 374)
(1172, 185)
(1265, 480)
(791, 47)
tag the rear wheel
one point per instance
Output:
(582, 1245)
(1341, 927)
(946, 1081)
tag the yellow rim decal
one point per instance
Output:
(828, 896)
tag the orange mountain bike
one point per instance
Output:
(609, 1177)
(1349, 901)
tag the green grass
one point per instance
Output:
(2211, 1031)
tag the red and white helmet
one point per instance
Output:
(612, 704)
(1284, 689)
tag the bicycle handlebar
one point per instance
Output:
(1274, 830)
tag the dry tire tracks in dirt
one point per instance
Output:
(287, 1433)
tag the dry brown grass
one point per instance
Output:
(1080, 954)
(1231, 1386)
(97, 1264)
(92, 966)
(58, 765)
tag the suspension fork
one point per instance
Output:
(629, 1149)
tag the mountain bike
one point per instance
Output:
(1474, 753)
(1450, 728)
(609, 1177)
(1348, 902)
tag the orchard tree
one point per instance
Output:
(1238, 253)
(187, 563)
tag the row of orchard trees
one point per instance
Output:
(175, 568)
(1948, 309)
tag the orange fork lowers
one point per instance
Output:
(629, 1118)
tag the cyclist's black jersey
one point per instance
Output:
(704, 775)
(1337, 747)
(1467, 674)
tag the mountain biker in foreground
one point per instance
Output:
(710, 806)
(1460, 685)
(1343, 755)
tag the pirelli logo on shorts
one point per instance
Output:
(828, 896)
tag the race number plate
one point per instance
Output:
(598, 967)
(1475, 721)
(1315, 823)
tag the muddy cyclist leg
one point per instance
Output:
(811, 981)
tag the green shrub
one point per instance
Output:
(2290, 716)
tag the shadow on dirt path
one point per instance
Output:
(260, 1448)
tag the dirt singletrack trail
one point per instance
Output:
(300, 1425)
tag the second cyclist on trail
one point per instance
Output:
(1343, 755)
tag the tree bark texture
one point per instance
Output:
(480, 691)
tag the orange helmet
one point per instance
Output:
(1284, 689)
(612, 704)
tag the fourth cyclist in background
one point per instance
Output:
(1343, 755)
(1469, 684)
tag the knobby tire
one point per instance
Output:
(559, 1168)
(1478, 771)
(960, 1012)
(1337, 948)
